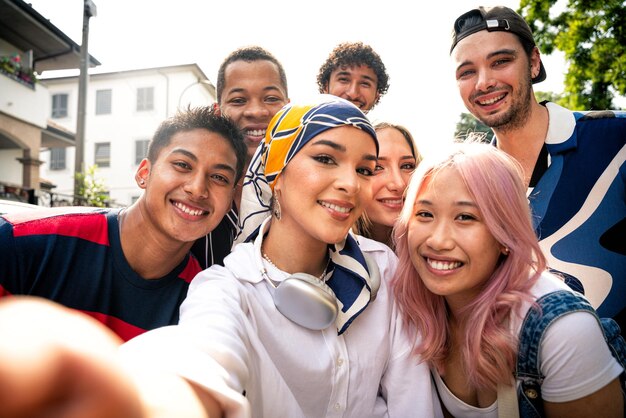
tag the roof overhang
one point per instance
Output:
(54, 136)
(24, 27)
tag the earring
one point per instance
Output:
(276, 207)
(142, 182)
(506, 251)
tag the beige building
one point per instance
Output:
(29, 44)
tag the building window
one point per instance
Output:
(57, 158)
(103, 102)
(103, 154)
(59, 106)
(145, 98)
(141, 150)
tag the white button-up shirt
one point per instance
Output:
(232, 340)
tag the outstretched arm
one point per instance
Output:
(58, 362)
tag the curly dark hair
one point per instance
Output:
(248, 54)
(204, 117)
(350, 54)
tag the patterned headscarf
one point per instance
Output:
(289, 130)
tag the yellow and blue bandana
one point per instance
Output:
(289, 130)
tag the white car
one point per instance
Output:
(13, 206)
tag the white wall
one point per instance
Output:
(10, 168)
(124, 125)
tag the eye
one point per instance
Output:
(221, 179)
(182, 165)
(324, 159)
(501, 61)
(237, 101)
(379, 168)
(423, 215)
(365, 171)
(273, 99)
(465, 74)
(466, 217)
(408, 166)
(366, 84)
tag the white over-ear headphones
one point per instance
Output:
(308, 301)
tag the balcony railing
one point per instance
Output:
(11, 66)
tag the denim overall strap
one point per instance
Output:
(549, 308)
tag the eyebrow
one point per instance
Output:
(186, 153)
(463, 203)
(504, 51)
(346, 72)
(265, 89)
(341, 148)
(192, 156)
(404, 157)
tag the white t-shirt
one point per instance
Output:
(575, 359)
(232, 339)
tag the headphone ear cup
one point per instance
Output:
(307, 301)
(374, 275)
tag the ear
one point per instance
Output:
(535, 62)
(143, 173)
(216, 109)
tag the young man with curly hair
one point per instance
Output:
(355, 72)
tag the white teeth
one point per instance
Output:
(490, 101)
(392, 201)
(188, 210)
(335, 207)
(443, 265)
(256, 132)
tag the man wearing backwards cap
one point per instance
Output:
(574, 162)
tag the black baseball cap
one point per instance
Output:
(498, 18)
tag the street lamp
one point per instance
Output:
(89, 10)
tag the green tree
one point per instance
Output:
(91, 189)
(468, 126)
(592, 35)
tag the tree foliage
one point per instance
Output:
(592, 36)
(91, 189)
(470, 127)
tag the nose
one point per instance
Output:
(441, 237)
(396, 182)
(353, 90)
(256, 109)
(348, 181)
(197, 187)
(485, 80)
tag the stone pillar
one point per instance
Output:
(30, 170)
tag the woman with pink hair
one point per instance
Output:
(470, 269)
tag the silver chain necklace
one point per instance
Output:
(321, 276)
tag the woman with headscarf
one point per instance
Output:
(300, 319)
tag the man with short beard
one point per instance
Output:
(574, 162)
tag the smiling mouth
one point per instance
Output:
(334, 207)
(391, 201)
(256, 133)
(190, 211)
(443, 265)
(490, 101)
